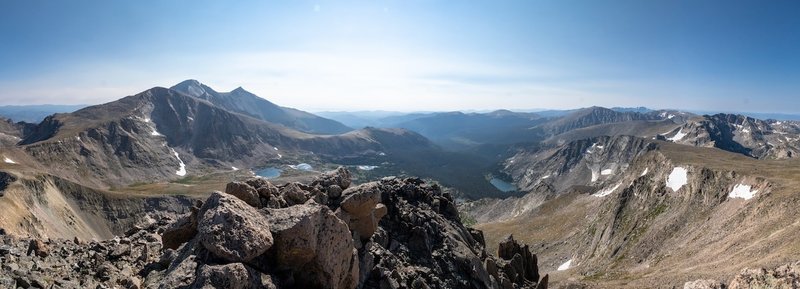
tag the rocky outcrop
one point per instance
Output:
(313, 244)
(117, 263)
(519, 264)
(5, 180)
(394, 233)
(762, 139)
(786, 276)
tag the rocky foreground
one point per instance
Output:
(394, 233)
(783, 277)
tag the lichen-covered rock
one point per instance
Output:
(703, 284)
(786, 276)
(38, 248)
(244, 192)
(360, 201)
(293, 194)
(232, 229)
(230, 276)
(360, 209)
(181, 231)
(314, 245)
(339, 177)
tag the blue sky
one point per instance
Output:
(411, 55)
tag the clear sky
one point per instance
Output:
(410, 55)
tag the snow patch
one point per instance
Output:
(595, 176)
(594, 145)
(235, 168)
(742, 191)
(182, 169)
(275, 148)
(382, 154)
(677, 178)
(565, 266)
(678, 136)
(607, 172)
(9, 161)
(367, 168)
(644, 172)
(606, 192)
(546, 177)
(746, 131)
(301, 166)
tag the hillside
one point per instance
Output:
(662, 214)
(164, 134)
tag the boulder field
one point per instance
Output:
(392, 233)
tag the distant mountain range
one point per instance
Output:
(35, 113)
(599, 188)
(165, 133)
(244, 102)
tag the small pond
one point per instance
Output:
(502, 185)
(269, 172)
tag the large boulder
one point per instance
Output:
(38, 248)
(293, 194)
(181, 231)
(339, 177)
(314, 245)
(232, 229)
(244, 192)
(360, 209)
(232, 276)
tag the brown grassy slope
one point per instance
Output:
(646, 236)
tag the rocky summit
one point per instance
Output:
(392, 233)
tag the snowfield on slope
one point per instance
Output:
(565, 266)
(182, 169)
(678, 136)
(605, 192)
(677, 178)
(743, 192)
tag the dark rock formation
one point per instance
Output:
(394, 233)
(5, 180)
(520, 264)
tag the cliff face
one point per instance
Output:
(762, 139)
(665, 214)
(394, 233)
(45, 206)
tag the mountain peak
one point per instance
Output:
(191, 87)
(239, 90)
